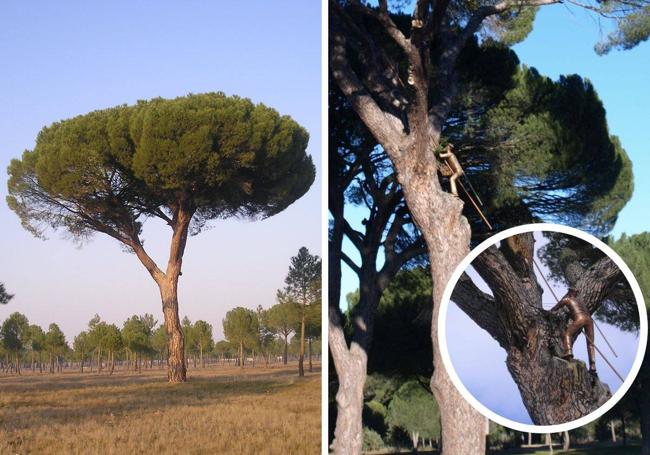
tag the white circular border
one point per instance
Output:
(442, 332)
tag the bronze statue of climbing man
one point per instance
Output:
(455, 170)
(580, 319)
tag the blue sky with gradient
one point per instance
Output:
(61, 59)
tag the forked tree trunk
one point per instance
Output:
(415, 437)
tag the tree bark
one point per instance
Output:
(553, 390)
(311, 368)
(176, 370)
(549, 442)
(415, 437)
(644, 404)
(351, 373)
(623, 429)
(285, 354)
(301, 358)
(447, 236)
(436, 213)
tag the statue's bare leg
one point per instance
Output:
(591, 350)
(567, 339)
(452, 183)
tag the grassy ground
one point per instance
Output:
(631, 449)
(616, 450)
(216, 411)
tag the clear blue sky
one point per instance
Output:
(562, 42)
(61, 59)
(472, 349)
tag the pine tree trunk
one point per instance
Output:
(623, 429)
(285, 355)
(301, 359)
(549, 442)
(644, 404)
(415, 437)
(201, 354)
(241, 355)
(177, 371)
(311, 368)
(348, 433)
(447, 235)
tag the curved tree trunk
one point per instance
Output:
(168, 285)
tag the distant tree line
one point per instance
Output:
(142, 343)
(273, 335)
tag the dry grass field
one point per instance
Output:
(220, 410)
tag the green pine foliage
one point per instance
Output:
(110, 169)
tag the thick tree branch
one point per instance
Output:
(510, 295)
(384, 127)
(480, 307)
(350, 263)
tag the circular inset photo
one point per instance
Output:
(542, 328)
